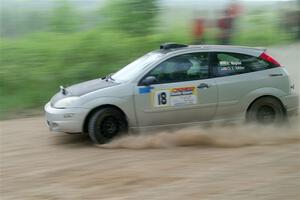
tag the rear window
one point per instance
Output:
(227, 64)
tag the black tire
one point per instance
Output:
(105, 124)
(267, 111)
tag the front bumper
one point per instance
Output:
(69, 120)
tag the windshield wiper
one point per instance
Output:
(63, 90)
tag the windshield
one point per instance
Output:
(136, 67)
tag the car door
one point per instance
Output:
(236, 76)
(181, 91)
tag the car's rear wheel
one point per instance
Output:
(105, 124)
(267, 111)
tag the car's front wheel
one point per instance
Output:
(105, 124)
(266, 110)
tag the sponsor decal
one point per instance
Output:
(145, 90)
(175, 97)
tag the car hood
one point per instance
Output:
(83, 88)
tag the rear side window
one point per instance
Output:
(227, 64)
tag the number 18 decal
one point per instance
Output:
(161, 98)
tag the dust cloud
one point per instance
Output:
(228, 136)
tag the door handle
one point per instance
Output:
(203, 85)
(272, 75)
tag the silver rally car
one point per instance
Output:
(177, 85)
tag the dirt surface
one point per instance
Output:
(227, 162)
(36, 164)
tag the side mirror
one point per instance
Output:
(149, 80)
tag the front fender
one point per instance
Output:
(124, 103)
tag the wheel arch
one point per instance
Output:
(92, 111)
(264, 96)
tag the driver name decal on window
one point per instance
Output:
(175, 97)
(231, 66)
(230, 63)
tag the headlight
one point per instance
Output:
(63, 103)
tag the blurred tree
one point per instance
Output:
(64, 18)
(137, 17)
(16, 23)
(7, 22)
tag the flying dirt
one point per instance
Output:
(219, 162)
(217, 136)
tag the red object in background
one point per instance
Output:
(225, 23)
(269, 59)
(198, 28)
(234, 9)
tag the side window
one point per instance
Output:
(185, 67)
(226, 64)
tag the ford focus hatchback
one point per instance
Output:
(177, 85)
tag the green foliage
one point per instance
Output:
(15, 23)
(64, 18)
(136, 17)
(260, 29)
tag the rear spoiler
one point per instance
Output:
(264, 49)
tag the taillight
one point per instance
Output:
(269, 59)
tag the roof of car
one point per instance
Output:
(174, 47)
(226, 47)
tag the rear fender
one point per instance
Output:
(253, 95)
